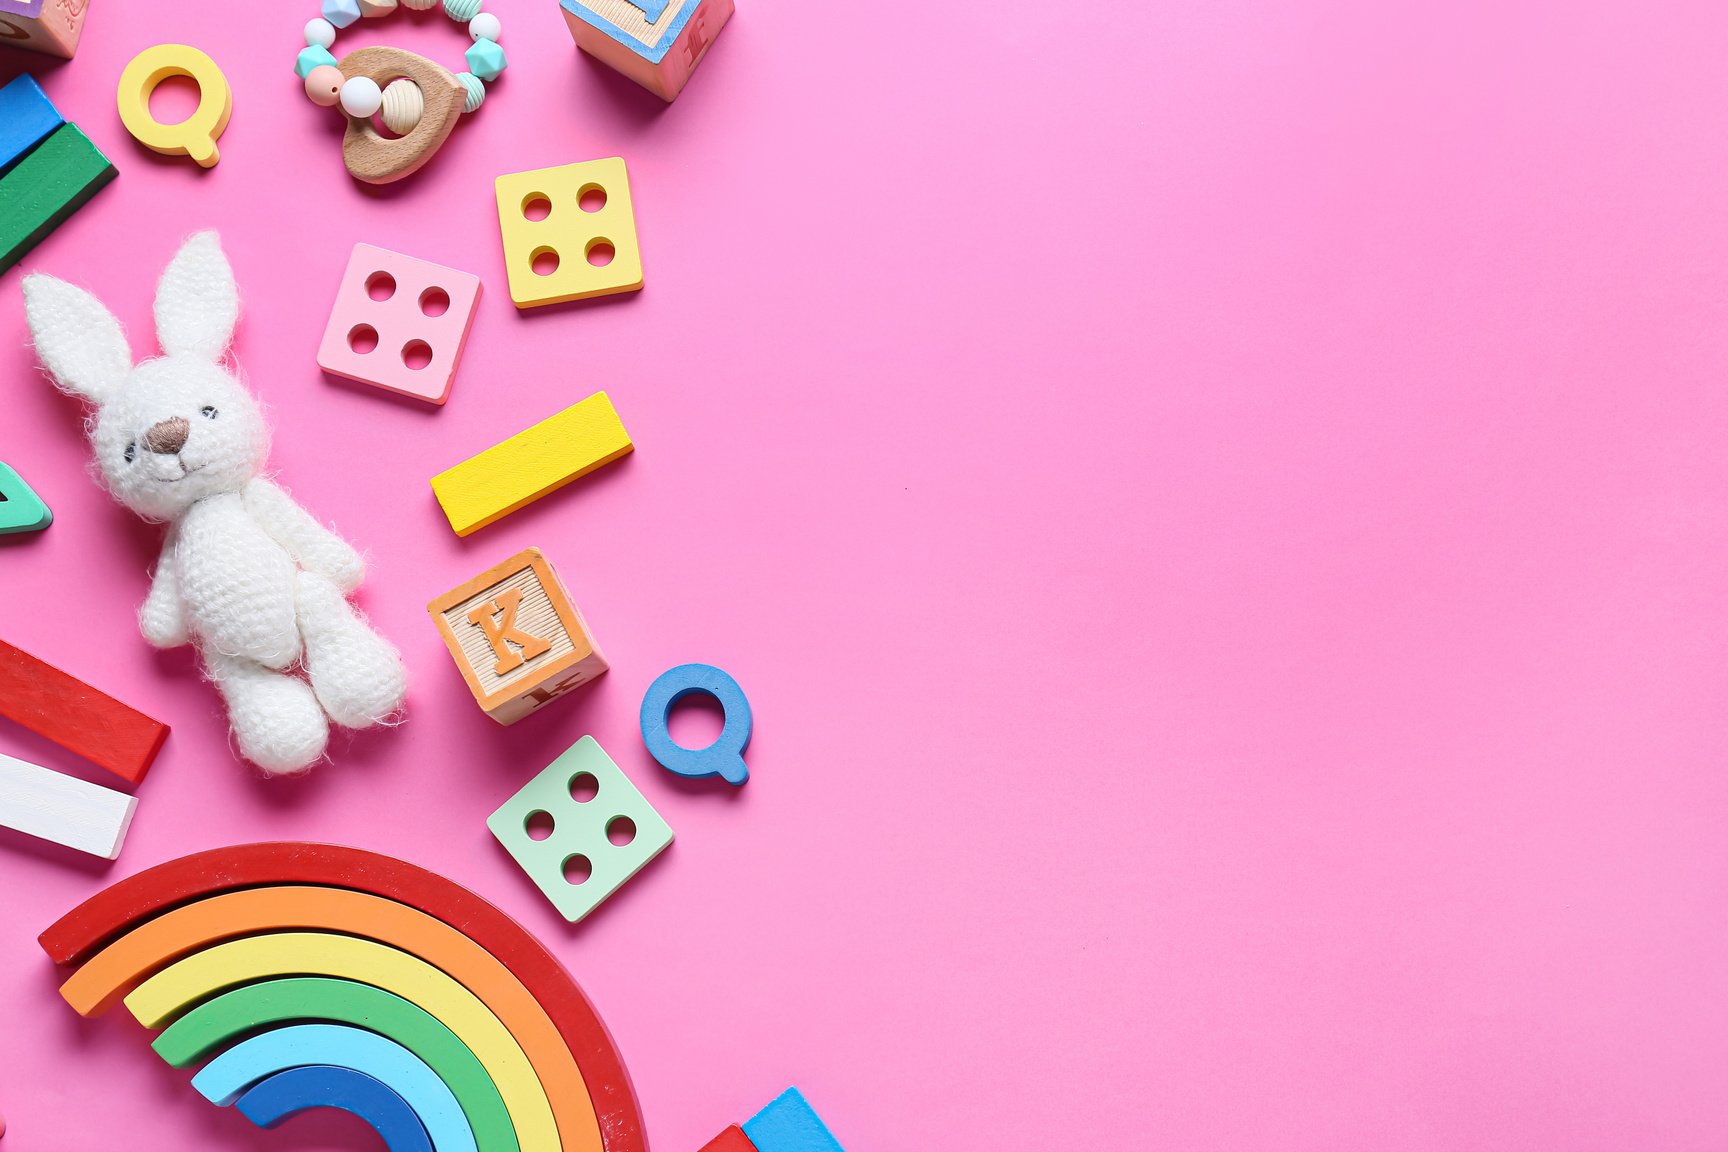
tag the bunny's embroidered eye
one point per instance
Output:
(131, 451)
(207, 412)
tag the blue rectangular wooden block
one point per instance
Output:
(27, 116)
(789, 1124)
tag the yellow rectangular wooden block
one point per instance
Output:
(531, 463)
(517, 637)
(557, 223)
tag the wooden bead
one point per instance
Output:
(419, 5)
(403, 106)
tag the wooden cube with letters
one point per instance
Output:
(51, 27)
(517, 637)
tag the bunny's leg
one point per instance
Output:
(357, 675)
(276, 719)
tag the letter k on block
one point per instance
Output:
(497, 619)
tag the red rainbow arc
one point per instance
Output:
(393, 985)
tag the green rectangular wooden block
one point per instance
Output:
(53, 181)
(589, 805)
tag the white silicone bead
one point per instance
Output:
(320, 33)
(483, 27)
(361, 97)
(404, 104)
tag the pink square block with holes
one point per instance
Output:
(399, 323)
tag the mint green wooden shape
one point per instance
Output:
(579, 828)
(21, 510)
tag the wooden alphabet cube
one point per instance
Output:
(516, 637)
(51, 27)
(569, 232)
(580, 829)
(399, 323)
(656, 43)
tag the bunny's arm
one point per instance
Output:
(313, 546)
(162, 616)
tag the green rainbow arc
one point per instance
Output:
(223, 1019)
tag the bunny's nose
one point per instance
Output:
(167, 437)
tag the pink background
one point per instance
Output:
(1219, 512)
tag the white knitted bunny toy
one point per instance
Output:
(246, 574)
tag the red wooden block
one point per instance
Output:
(731, 1140)
(122, 906)
(76, 716)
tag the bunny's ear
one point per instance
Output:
(197, 302)
(79, 341)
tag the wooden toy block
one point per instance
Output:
(231, 1075)
(531, 464)
(122, 965)
(196, 135)
(21, 510)
(516, 636)
(76, 716)
(569, 232)
(52, 181)
(51, 27)
(123, 905)
(194, 979)
(731, 1140)
(580, 829)
(399, 323)
(27, 116)
(225, 1019)
(285, 1095)
(53, 806)
(789, 1124)
(656, 43)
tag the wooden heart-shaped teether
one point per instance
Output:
(377, 159)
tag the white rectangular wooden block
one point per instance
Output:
(40, 802)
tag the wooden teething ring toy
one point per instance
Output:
(419, 101)
(377, 159)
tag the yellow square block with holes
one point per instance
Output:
(561, 224)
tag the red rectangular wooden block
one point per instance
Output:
(731, 1140)
(76, 716)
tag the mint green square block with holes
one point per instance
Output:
(580, 829)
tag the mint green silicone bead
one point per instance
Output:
(461, 11)
(475, 89)
(486, 59)
(310, 57)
